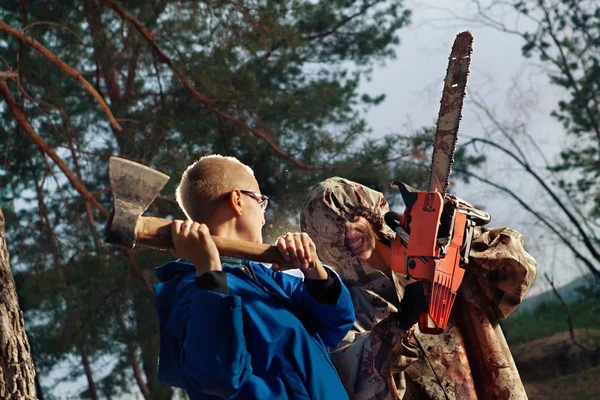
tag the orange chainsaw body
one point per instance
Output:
(427, 258)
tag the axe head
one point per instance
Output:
(134, 187)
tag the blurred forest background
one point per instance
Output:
(300, 91)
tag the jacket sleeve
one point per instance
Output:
(370, 364)
(331, 321)
(209, 330)
(504, 269)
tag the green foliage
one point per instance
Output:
(290, 69)
(567, 41)
(550, 317)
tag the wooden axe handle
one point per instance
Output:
(156, 232)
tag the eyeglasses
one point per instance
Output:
(263, 200)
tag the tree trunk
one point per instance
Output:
(17, 373)
(133, 359)
(88, 372)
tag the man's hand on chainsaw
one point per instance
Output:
(414, 302)
(412, 305)
(192, 242)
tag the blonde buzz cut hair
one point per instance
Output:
(204, 183)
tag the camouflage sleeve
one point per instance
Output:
(371, 364)
(504, 270)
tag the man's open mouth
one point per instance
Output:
(355, 244)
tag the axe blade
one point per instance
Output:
(134, 187)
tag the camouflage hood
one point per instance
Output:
(327, 208)
(504, 270)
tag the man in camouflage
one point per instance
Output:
(381, 359)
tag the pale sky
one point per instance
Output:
(514, 88)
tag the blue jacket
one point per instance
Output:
(266, 340)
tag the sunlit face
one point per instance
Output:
(253, 217)
(359, 237)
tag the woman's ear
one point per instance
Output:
(235, 201)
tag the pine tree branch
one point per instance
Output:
(479, 104)
(138, 271)
(21, 48)
(199, 96)
(29, 26)
(64, 67)
(8, 75)
(541, 218)
(88, 207)
(88, 372)
(92, 10)
(340, 24)
(135, 365)
(586, 239)
(45, 147)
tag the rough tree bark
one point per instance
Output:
(17, 373)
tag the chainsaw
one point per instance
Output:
(434, 234)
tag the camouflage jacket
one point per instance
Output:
(378, 360)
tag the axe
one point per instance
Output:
(134, 187)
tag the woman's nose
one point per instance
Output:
(349, 227)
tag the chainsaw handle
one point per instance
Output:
(392, 219)
(479, 217)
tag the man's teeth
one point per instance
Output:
(356, 243)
